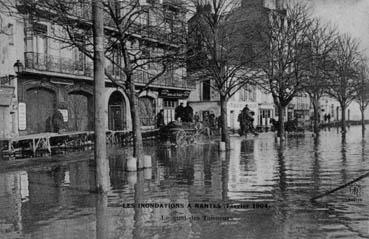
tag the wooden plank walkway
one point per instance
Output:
(46, 142)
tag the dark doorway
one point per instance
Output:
(117, 116)
(80, 111)
(40, 103)
(147, 110)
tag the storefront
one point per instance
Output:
(170, 100)
(40, 99)
(265, 115)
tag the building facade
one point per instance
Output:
(54, 77)
(205, 101)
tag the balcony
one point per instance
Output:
(166, 80)
(156, 33)
(57, 64)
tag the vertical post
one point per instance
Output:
(102, 163)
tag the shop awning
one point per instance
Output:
(6, 95)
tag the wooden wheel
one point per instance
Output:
(181, 137)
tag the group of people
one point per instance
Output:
(246, 119)
(185, 114)
(211, 122)
(182, 114)
(327, 118)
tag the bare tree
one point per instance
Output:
(284, 61)
(220, 55)
(322, 40)
(143, 43)
(343, 80)
(362, 91)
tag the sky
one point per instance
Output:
(350, 16)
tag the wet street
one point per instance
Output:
(258, 190)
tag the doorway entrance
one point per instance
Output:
(116, 111)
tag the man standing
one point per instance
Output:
(160, 119)
(179, 111)
(188, 114)
(57, 121)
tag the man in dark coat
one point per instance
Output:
(160, 119)
(188, 114)
(179, 112)
(246, 119)
(57, 121)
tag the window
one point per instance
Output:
(40, 38)
(169, 110)
(244, 94)
(206, 90)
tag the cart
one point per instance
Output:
(184, 133)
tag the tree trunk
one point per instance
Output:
(136, 125)
(343, 118)
(102, 163)
(281, 131)
(102, 216)
(362, 118)
(223, 115)
(139, 214)
(315, 103)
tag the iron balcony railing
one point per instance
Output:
(64, 65)
(175, 36)
(57, 64)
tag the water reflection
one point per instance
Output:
(56, 202)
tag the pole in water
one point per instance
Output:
(340, 187)
(102, 163)
(222, 146)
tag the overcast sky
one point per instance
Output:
(351, 16)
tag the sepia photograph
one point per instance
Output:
(184, 119)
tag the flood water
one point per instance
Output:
(266, 187)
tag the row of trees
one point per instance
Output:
(285, 51)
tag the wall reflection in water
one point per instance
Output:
(56, 202)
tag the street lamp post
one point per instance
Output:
(21, 107)
(18, 67)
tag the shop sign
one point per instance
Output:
(22, 119)
(174, 94)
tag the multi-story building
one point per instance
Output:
(53, 76)
(204, 99)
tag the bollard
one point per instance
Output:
(222, 146)
(147, 161)
(132, 178)
(222, 156)
(148, 173)
(131, 164)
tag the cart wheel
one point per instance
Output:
(181, 137)
(195, 138)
